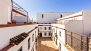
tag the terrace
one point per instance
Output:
(19, 14)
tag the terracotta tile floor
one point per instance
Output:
(46, 44)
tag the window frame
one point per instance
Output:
(45, 33)
(32, 37)
(29, 43)
(42, 15)
(60, 33)
(49, 28)
(45, 28)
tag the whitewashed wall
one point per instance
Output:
(42, 30)
(24, 43)
(61, 39)
(87, 21)
(48, 17)
(9, 32)
(75, 15)
(18, 17)
(75, 26)
(5, 11)
(47, 34)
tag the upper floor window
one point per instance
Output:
(60, 33)
(32, 37)
(44, 28)
(49, 28)
(42, 16)
(20, 49)
(28, 43)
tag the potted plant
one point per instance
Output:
(25, 22)
(13, 21)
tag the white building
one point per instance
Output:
(16, 37)
(47, 17)
(69, 30)
(72, 31)
(5, 11)
(12, 11)
(44, 30)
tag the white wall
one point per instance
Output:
(61, 39)
(24, 44)
(75, 15)
(47, 34)
(79, 24)
(48, 17)
(9, 32)
(5, 11)
(42, 30)
(75, 26)
(87, 21)
(18, 17)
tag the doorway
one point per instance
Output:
(40, 34)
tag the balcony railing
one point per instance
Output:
(17, 7)
(77, 42)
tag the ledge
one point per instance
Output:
(11, 45)
(11, 25)
(7, 47)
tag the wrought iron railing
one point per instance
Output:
(78, 42)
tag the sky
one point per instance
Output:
(35, 6)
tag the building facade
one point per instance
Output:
(70, 31)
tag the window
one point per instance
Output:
(35, 34)
(49, 34)
(28, 43)
(45, 33)
(42, 16)
(44, 28)
(20, 49)
(60, 33)
(60, 16)
(40, 27)
(33, 37)
(59, 46)
(49, 28)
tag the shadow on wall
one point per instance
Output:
(46, 44)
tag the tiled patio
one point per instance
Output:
(46, 44)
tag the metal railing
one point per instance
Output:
(78, 42)
(18, 7)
